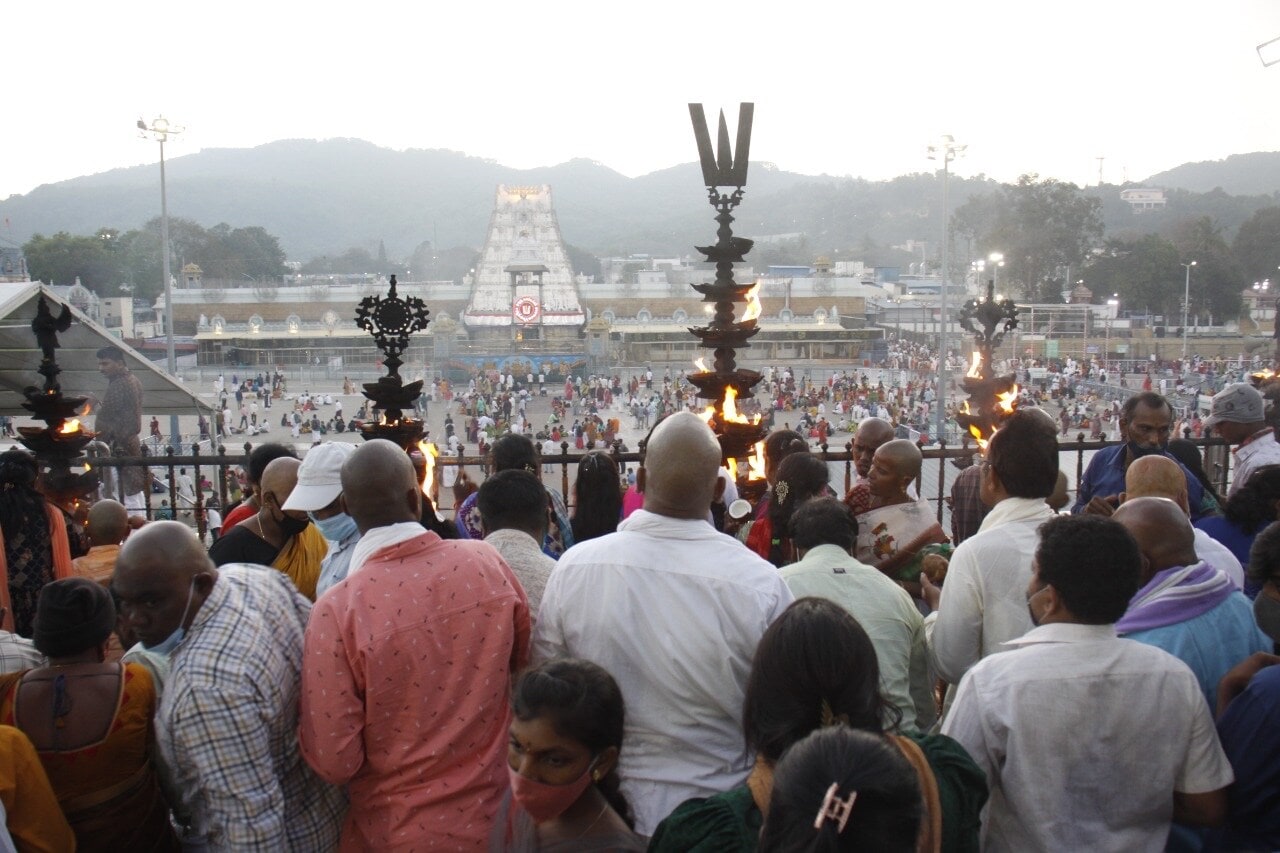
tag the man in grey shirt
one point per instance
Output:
(513, 513)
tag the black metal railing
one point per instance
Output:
(934, 483)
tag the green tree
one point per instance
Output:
(64, 257)
(1143, 273)
(1042, 227)
(353, 261)
(1257, 245)
(1216, 279)
(138, 251)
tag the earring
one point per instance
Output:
(595, 777)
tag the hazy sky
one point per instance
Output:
(844, 88)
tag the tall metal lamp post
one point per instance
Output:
(1186, 303)
(945, 149)
(160, 130)
(1113, 307)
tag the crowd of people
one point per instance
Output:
(657, 664)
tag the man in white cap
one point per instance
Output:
(319, 494)
(1238, 415)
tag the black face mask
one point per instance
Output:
(1137, 451)
(291, 526)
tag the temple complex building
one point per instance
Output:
(523, 288)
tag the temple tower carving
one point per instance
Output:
(523, 288)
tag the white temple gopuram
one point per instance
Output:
(523, 288)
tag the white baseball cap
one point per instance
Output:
(319, 477)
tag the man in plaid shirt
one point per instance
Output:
(17, 653)
(227, 725)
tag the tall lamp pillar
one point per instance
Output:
(160, 130)
(947, 150)
(1186, 303)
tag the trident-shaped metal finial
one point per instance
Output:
(724, 167)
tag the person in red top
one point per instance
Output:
(406, 668)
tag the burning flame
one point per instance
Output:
(732, 465)
(975, 366)
(731, 414)
(70, 427)
(755, 462)
(1263, 375)
(700, 364)
(429, 454)
(1008, 401)
(754, 307)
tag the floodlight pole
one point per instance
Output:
(159, 130)
(1186, 303)
(947, 150)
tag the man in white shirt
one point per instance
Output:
(825, 534)
(1089, 741)
(674, 611)
(980, 605)
(1238, 415)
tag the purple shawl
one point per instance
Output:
(1176, 595)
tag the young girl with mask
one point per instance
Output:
(566, 733)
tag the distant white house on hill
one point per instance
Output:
(1141, 200)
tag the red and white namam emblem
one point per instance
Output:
(526, 309)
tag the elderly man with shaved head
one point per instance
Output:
(871, 434)
(896, 527)
(673, 610)
(1185, 606)
(408, 660)
(1160, 477)
(227, 725)
(284, 539)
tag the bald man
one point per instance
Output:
(107, 527)
(872, 433)
(408, 660)
(893, 530)
(276, 537)
(674, 611)
(1184, 605)
(227, 725)
(1161, 477)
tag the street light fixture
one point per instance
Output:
(945, 149)
(1186, 303)
(996, 260)
(160, 130)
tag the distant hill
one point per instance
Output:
(323, 197)
(1239, 174)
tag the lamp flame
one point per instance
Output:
(429, 454)
(975, 366)
(700, 364)
(755, 462)
(754, 307)
(1008, 400)
(70, 427)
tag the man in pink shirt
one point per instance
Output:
(405, 672)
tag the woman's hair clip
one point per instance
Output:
(835, 809)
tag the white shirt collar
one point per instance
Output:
(1016, 509)
(1065, 632)
(378, 538)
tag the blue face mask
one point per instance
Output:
(169, 643)
(335, 528)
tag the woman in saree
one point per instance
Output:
(90, 722)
